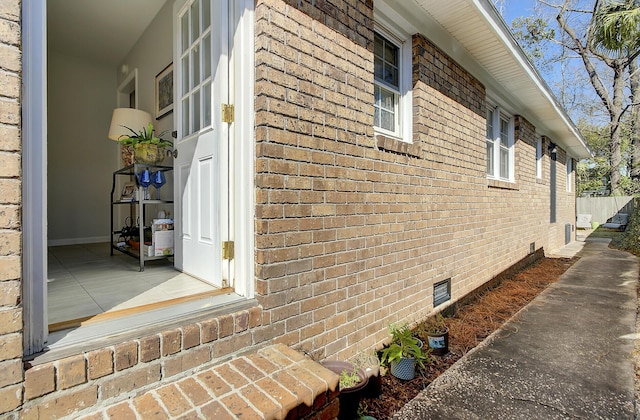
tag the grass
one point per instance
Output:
(601, 232)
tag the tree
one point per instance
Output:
(592, 175)
(616, 31)
(613, 100)
(586, 36)
(533, 33)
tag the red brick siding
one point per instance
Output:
(108, 375)
(11, 378)
(353, 230)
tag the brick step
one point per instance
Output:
(274, 382)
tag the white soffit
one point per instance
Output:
(474, 35)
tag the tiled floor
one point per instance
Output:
(85, 280)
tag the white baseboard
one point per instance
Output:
(77, 241)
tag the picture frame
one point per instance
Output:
(129, 192)
(164, 92)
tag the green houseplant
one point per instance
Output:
(148, 147)
(404, 352)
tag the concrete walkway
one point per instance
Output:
(569, 354)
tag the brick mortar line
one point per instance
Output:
(154, 394)
(193, 405)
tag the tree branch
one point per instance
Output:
(582, 50)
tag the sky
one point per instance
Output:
(511, 9)
(580, 92)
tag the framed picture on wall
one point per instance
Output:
(164, 92)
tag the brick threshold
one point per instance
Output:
(274, 382)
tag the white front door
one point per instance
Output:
(201, 66)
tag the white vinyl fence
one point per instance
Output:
(603, 208)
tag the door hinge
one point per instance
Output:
(227, 113)
(227, 250)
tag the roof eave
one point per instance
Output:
(474, 34)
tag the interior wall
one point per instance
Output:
(150, 55)
(81, 97)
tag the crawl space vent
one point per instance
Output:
(441, 292)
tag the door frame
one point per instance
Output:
(34, 161)
(242, 149)
(34, 175)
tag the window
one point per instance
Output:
(539, 158)
(569, 171)
(499, 144)
(195, 72)
(392, 78)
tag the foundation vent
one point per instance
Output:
(441, 292)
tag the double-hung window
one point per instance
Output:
(392, 93)
(539, 157)
(569, 172)
(500, 131)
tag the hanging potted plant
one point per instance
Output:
(148, 148)
(404, 352)
(352, 383)
(437, 334)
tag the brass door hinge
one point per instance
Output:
(227, 113)
(227, 250)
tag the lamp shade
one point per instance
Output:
(127, 117)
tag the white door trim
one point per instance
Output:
(242, 183)
(34, 175)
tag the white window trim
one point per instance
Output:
(404, 117)
(569, 173)
(498, 115)
(538, 157)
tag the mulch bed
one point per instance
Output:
(487, 311)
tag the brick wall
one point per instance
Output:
(354, 230)
(107, 375)
(10, 196)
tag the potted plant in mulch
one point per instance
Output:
(404, 352)
(437, 334)
(368, 361)
(353, 381)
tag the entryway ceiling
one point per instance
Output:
(102, 30)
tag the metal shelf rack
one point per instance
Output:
(138, 205)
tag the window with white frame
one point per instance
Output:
(392, 89)
(569, 172)
(539, 157)
(500, 131)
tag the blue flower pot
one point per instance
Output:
(404, 369)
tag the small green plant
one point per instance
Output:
(367, 359)
(145, 136)
(349, 378)
(362, 410)
(434, 325)
(404, 344)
